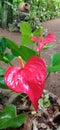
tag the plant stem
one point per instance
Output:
(48, 75)
(10, 64)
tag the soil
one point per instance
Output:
(39, 121)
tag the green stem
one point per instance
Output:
(38, 53)
(10, 64)
(48, 75)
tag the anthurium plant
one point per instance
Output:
(30, 75)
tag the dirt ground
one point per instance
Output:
(53, 26)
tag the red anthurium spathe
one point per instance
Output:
(30, 79)
(41, 42)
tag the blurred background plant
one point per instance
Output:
(40, 10)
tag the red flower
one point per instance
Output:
(29, 79)
(48, 39)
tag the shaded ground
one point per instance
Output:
(53, 26)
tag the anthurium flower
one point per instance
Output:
(30, 79)
(43, 41)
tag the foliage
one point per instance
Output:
(46, 10)
(45, 101)
(35, 66)
(40, 10)
(54, 63)
(9, 117)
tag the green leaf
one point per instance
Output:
(47, 46)
(25, 28)
(55, 63)
(23, 51)
(36, 32)
(53, 68)
(8, 57)
(8, 111)
(46, 102)
(2, 45)
(1, 57)
(27, 52)
(13, 47)
(26, 31)
(55, 59)
(2, 71)
(25, 40)
(2, 83)
(47, 96)
(40, 103)
(9, 118)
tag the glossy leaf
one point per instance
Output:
(9, 118)
(16, 51)
(22, 51)
(8, 111)
(26, 31)
(2, 71)
(2, 45)
(9, 56)
(27, 52)
(29, 80)
(13, 46)
(36, 32)
(25, 28)
(53, 68)
(54, 63)
(55, 59)
(25, 40)
(2, 83)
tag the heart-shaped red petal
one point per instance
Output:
(29, 80)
